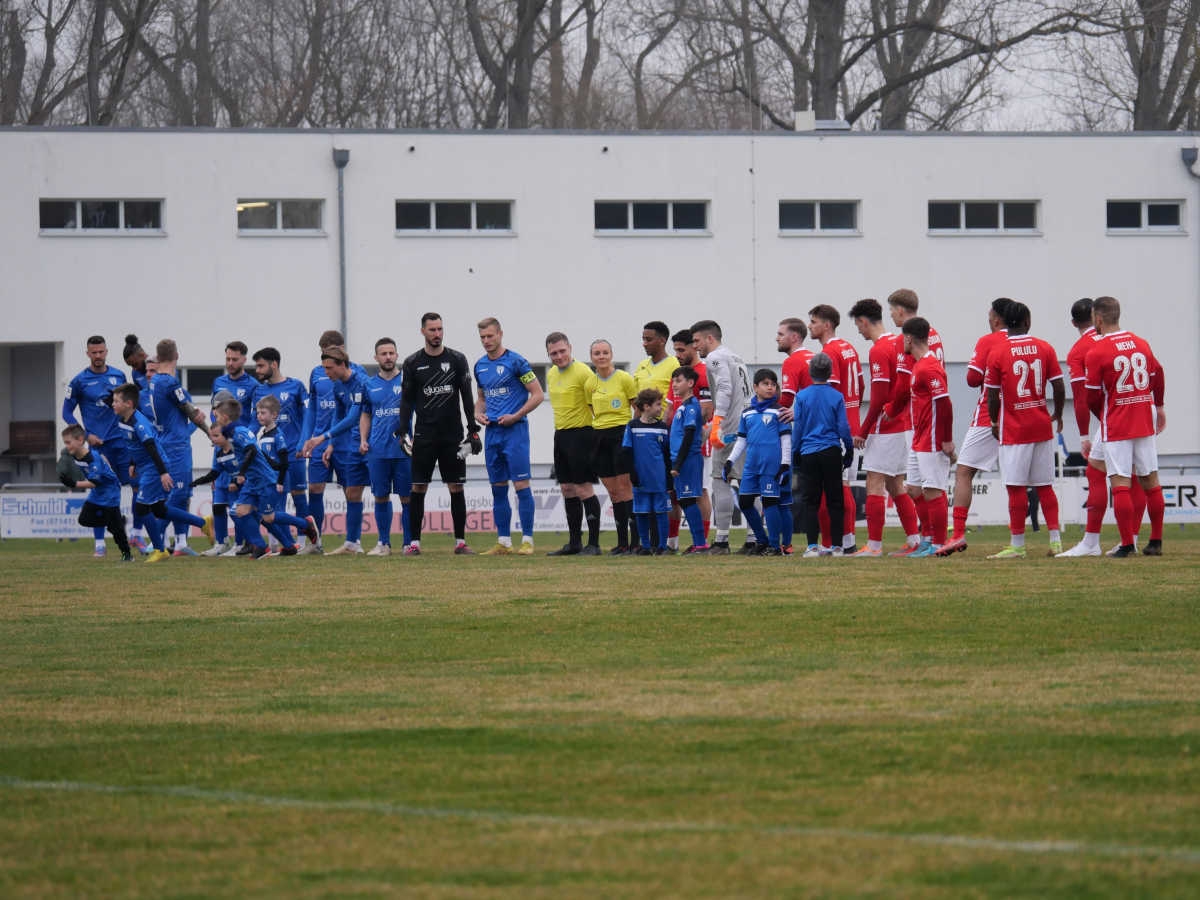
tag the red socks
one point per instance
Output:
(1123, 510)
(876, 513)
(1097, 499)
(938, 514)
(1157, 509)
(1049, 503)
(1018, 508)
(960, 522)
(907, 511)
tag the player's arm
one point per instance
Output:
(1060, 399)
(364, 427)
(1083, 416)
(480, 411)
(1159, 390)
(408, 395)
(281, 467)
(977, 367)
(944, 410)
(898, 402)
(685, 448)
(626, 453)
(190, 411)
(993, 403)
(69, 405)
(880, 393)
(534, 395)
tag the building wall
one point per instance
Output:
(203, 284)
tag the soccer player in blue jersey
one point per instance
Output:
(317, 420)
(389, 466)
(507, 392)
(88, 392)
(174, 416)
(343, 440)
(102, 508)
(239, 384)
(293, 411)
(153, 480)
(252, 474)
(687, 462)
(646, 446)
(766, 442)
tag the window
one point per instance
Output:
(825, 216)
(259, 216)
(100, 216)
(450, 216)
(676, 216)
(984, 216)
(1145, 215)
(198, 380)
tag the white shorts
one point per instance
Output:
(980, 450)
(1097, 451)
(886, 453)
(912, 471)
(933, 470)
(851, 471)
(1030, 465)
(1138, 456)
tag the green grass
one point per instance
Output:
(485, 727)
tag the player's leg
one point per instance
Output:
(572, 501)
(519, 471)
(722, 496)
(1041, 480)
(379, 471)
(876, 502)
(1145, 469)
(1095, 504)
(641, 516)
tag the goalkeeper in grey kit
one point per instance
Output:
(436, 387)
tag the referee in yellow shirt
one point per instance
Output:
(656, 369)
(573, 440)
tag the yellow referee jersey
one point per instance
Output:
(610, 398)
(567, 396)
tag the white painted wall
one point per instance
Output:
(203, 284)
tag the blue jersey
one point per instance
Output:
(503, 382)
(107, 490)
(382, 403)
(259, 475)
(688, 415)
(143, 386)
(167, 400)
(764, 434)
(322, 413)
(243, 392)
(348, 398)
(87, 391)
(272, 448)
(649, 442)
(820, 420)
(138, 430)
(293, 408)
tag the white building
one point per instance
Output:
(210, 236)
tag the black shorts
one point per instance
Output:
(573, 455)
(440, 452)
(606, 451)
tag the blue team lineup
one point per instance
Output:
(678, 444)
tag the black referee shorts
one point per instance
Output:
(606, 452)
(573, 455)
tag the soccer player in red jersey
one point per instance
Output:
(686, 351)
(903, 304)
(980, 450)
(823, 321)
(794, 376)
(933, 431)
(1126, 386)
(1018, 374)
(1093, 450)
(884, 441)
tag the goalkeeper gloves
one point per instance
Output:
(727, 470)
(714, 433)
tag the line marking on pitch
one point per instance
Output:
(186, 792)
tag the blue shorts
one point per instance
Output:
(506, 452)
(297, 477)
(149, 487)
(390, 476)
(220, 490)
(759, 484)
(350, 467)
(645, 502)
(318, 472)
(179, 464)
(267, 500)
(117, 455)
(690, 480)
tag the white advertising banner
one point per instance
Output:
(54, 515)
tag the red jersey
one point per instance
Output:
(935, 345)
(884, 360)
(1022, 372)
(1124, 382)
(932, 412)
(1077, 374)
(794, 375)
(977, 374)
(847, 376)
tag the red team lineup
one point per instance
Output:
(392, 430)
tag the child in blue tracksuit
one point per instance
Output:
(646, 447)
(102, 508)
(823, 447)
(767, 445)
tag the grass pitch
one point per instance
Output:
(484, 727)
